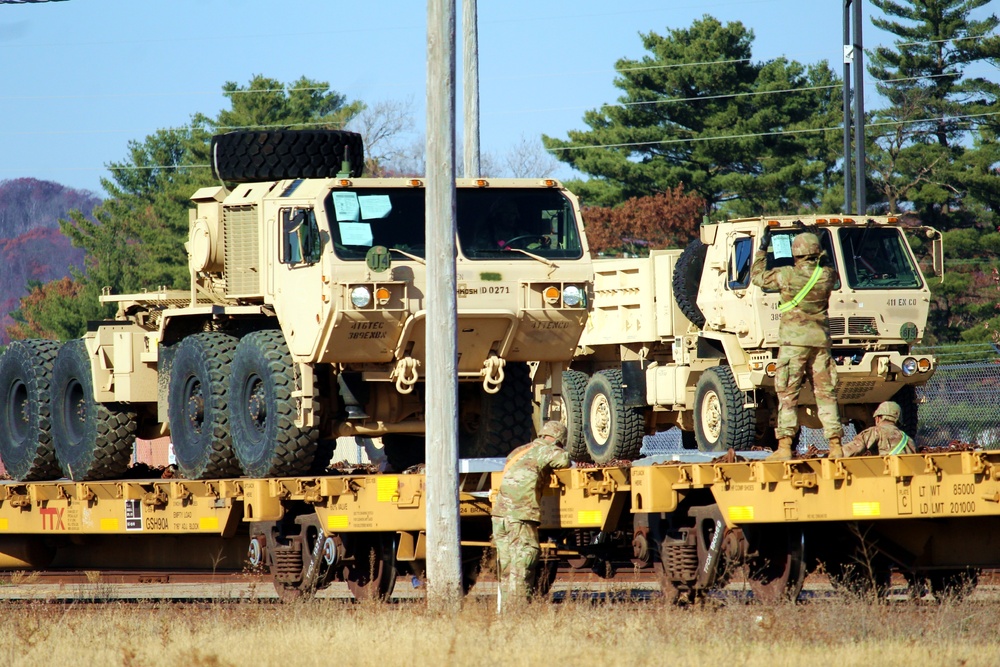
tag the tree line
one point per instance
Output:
(700, 129)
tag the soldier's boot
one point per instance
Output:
(836, 451)
(784, 450)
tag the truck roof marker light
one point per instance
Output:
(482, 183)
(550, 182)
(773, 223)
(823, 221)
(892, 219)
(835, 221)
(551, 295)
(849, 221)
(344, 183)
(415, 183)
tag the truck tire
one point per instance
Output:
(720, 420)
(403, 451)
(611, 430)
(198, 409)
(25, 415)
(499, 423)
(262, 409)
(275, 155)
(92, 440)
(574, 386)
(687, 279)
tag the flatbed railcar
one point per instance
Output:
(932, 516)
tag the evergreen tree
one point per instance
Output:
(934, 143)
(747, 137)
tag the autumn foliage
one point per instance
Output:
(665, 220)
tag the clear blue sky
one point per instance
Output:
(80, 78)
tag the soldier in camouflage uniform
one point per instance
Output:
(885, 437)
(516, 510)
(804, 337)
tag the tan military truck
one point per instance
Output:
(305, 321)
(682, 338)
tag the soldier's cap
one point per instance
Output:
(555, 430)
(888, 410)
(806, 243)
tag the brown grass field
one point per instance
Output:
(334, 632)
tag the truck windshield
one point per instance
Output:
(781, 251)
(492, 224)
(877, 258)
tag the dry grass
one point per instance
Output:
(575, 633)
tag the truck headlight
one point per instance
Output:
(361, 297)
(909, 366)
(572, 296)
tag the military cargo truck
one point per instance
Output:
(305, 320)
(682, 338)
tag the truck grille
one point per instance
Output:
(852, 391)
(856, 326)
(242, 274)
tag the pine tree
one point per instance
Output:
(747, 137)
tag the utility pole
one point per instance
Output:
(444, 572)
(854, 55)
(470, 88)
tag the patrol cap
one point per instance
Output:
(554, 429)
(806, 243)
(888, 410)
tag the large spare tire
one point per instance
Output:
(687, 278)
(274, 155)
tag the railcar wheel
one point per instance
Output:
(372, 573)
(574, 388)
(720, 420)
(776, 569)
(263, 409)
(26, 446)
(92, 440)
(611, 430)
(198, 409)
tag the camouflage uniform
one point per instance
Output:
(804, 337)
(885, 436)
(516, 511)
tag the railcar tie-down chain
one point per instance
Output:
(493, 374)
(406, 374)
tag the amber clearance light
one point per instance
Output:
(551, 295)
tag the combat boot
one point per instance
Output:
(836, 451)
(783, 452)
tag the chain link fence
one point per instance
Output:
(961, 402)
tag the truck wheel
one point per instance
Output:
(25, 415)
(198, 409)
(262, 409)
(611, 430)
(496, 424)
(92, 440)
(574, 386)
(403, 451)
(687, 279)
(720, 420)
(254, 156)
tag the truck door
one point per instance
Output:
(300, 297)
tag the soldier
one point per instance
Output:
(516, 511)
(885, 434)
(804, 337)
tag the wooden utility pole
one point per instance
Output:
(470, 87)
(444, 571)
